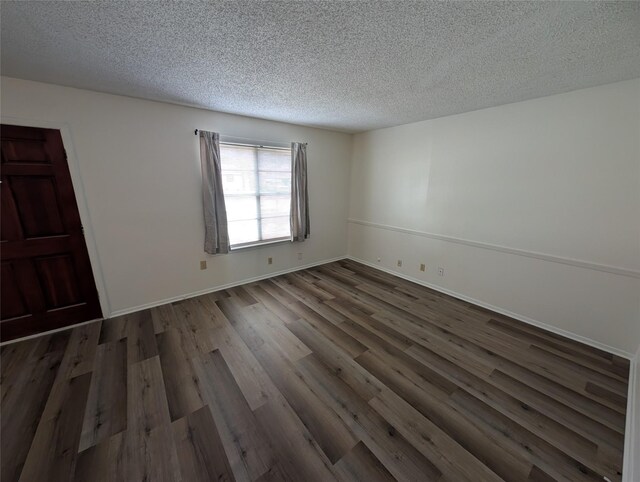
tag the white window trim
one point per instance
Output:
(245, 141)
(254, 244)
(241, 141)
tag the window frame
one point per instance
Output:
(259, 145)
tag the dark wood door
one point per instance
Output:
(47, 280)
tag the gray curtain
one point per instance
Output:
(216, 234)
(299, 193)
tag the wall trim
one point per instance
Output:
(213, 289)
(524, 319)
(630, 464)
(631, 273)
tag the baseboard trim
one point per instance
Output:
(173, 299)
(630, 463)
(524, 319)
(213, 289)
(630, 466)
(631, 273)
(455, 294)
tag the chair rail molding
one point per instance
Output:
(630, 273)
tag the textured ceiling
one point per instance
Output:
(345, 65)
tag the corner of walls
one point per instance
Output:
(220, 287)
(504, 200)
(144, 227)
(498, 309)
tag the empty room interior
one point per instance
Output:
(320, 240)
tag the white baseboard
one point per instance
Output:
(631, 468)
(213, 289)
(530, 321)
(631, 460)
(524, 319)
(173, 299)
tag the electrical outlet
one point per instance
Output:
(441, 271)
(299, 256)
(269, 260)
(399, 263)
(423, 267)
(203, 264)
(378, 260)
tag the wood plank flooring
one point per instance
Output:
(339, 372)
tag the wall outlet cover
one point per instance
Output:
(423, 267)
(269, 260)
(203, 264)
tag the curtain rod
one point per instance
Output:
(196, 131)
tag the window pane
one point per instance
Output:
(275, 227)
(241, 207)
(243, 231)
(275, 205)
(237, 158)
(238, 182)
(275, 182)
(274, 160)
(257, 187)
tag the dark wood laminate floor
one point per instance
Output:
(335, 372)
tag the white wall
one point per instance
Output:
(505, 199)
(531, 207)
(138, 162)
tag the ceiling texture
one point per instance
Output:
(345, 65)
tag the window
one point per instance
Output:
(257, 192)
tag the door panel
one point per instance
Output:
(25, 150)
(37, 203)
(13, 303)
(58, 280)
(47, 281)
(9, 220)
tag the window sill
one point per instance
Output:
(259, 244)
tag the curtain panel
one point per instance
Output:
(216, 234)
(300, 228)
